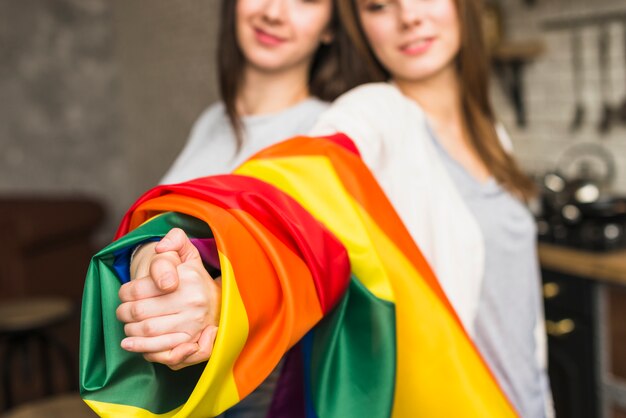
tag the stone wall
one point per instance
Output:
(59, 122)
(98, 96)
(166, 55)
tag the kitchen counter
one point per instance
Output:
(607, 266)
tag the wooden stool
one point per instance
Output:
(25, 321)
(62, 406)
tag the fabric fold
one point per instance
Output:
(311, 253)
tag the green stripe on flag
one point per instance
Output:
(354, 348)
(109, 373)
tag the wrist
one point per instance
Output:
(137, 259)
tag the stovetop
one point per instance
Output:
(586, 234)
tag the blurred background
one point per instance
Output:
(97, 98)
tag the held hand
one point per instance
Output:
(171, 309)
(187, 354)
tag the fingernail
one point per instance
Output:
(127, 344)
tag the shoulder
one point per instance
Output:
(211, 115)
(377, 117)
(265, 129)
(374, 106)
(314, 105)
(212, 120)
(371, 94)
(305, 112)
(375, 103)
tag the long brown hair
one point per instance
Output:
(473, 70)
(335, 69)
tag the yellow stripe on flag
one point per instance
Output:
(436, 359)
(329, 202)
(112, 410)
(204, 402)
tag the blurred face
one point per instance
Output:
(278, 35)
(413, 39)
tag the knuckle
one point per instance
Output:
(198, 318)
(163, 264)
(175, 360)
(167, 359)
(156, 264)
(197, 297)
(136, 311)
(134, 291)
(148, 328)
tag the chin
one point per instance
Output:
(266, 63)
(423, 72)
(271, 68)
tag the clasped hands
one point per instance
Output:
(171, 306)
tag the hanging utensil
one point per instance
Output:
(606, 116)
(579, 109)
(622, 108)
(589, 170)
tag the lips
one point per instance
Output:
(267, 38)
(417, 46)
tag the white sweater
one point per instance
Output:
(390, 130)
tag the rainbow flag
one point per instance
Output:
(315, 263)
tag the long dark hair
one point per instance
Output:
(335, 69)
(473, 70)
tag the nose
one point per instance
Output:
(274, 10)
(410, 13)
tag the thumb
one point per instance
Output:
(176, 240)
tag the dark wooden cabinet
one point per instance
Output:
(616, 344)
(570, 324)
(618, 413)
(46, 251)
(49, 246)
(616, 299)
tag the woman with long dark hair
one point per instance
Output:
(430, 137)
(279, 62)
(447, 168)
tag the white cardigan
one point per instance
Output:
(390, 130)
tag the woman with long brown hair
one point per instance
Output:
(279, 63)
(430, 137)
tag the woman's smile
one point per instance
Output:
(268, 39)
(417, 46)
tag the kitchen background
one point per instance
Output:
(97, 97)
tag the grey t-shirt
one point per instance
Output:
(510, 301)
(212, 148)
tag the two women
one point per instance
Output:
(430, 138)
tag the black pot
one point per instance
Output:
(610, 209)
